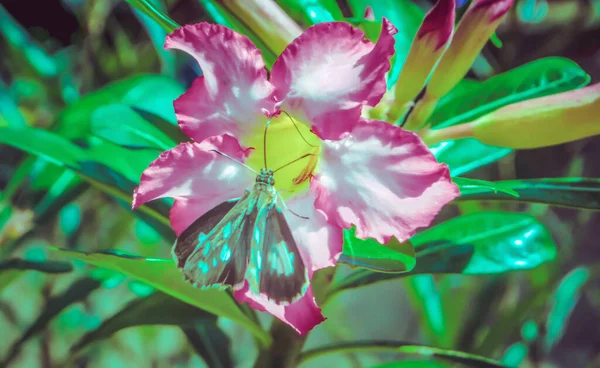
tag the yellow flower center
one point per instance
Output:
(291, 151)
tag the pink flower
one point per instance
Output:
(370, 174)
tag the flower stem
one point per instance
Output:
(286, 347)
(287, 342)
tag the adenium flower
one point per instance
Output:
(370, 174)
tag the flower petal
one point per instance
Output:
(383, 180)
(332, 69)
(197, 177)
(320, 242)
(233, 94)
(302, 316)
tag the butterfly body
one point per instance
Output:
(245, 239)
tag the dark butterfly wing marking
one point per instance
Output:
(280, 272)
(188, 240)
(215, 250)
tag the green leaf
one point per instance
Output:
(78, 291)
(157, 34)
(453, 356)
(9, 110)
(160, 17)
(11, 269)
(16, 264)
(464, 155)
(18, 38)
(393, 257)
(538, 78)
(163, 275)
(470, 185)
(477, 244)
(108, 179)
(310, 12)
(405, 15)
(428, 301)
(209, 341)
(413, 364)
(122, 125)
(566, 192)
(485, 243)
(564, 300)
(151, 311)
(515, 354)
(221, 15)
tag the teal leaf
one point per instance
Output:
(565, 298)
(122, 125)
(159, 16)
(78, 291)
(310, 12)
(393, 257)
(538, 78)
(566, 192)
(477, 244)
(406, 16)
(470, 360)
(465, 155)
(162, 309)
(150, 93)
(163, 275)
(474, 185)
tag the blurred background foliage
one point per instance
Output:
(73, 69)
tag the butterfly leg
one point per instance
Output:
(289, 209)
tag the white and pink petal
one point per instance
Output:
(383, 180)
(233, 94)
(303, 315)
(331, 68)
(197, 177)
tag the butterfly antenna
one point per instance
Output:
(265, 142)
(291, 162)
(297, 129)
(234, 160)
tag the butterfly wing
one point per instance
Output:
(276, 266)
(214, 250)
(188, 240)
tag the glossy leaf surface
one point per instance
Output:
(535, 79)
(465, 155)
(476, 244)
(393, 257)
(162, 309)
(567, 192)
(163, 275)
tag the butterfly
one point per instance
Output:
(246, 238)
